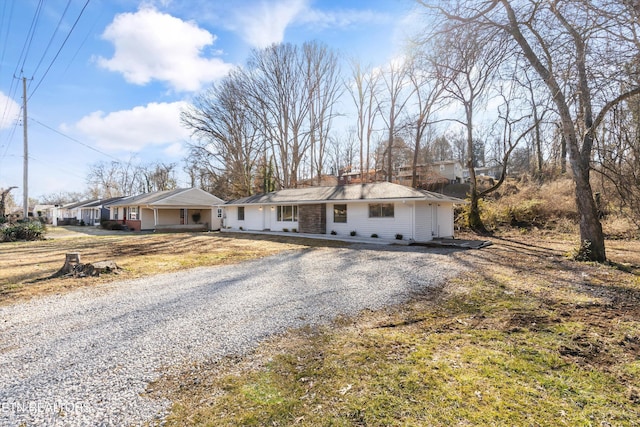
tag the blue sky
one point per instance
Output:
(114, 89)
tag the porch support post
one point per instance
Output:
(155, 217)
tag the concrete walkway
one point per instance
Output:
(444, 242)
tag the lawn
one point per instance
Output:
(28, 267)
(528, 338)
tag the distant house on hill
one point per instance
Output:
(450, 169)
(182, 209)
(427, 177)
(349, 176)
(385, 209)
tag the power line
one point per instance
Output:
(6, 33)
(13, 132)
(57, 167)
(27, 43)
(59, 50)
(44, 54)
(74, 140)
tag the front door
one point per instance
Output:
(266, 218)
(435, 231)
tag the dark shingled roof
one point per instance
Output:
(343, 193)
(101, 202)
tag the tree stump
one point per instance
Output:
(71, 261)
(74, 268)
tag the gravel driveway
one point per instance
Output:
(85, 358)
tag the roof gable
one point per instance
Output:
(181, 197)
(188, 196)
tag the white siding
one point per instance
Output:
(253, 218)
(147, 219)
(211, 217)
(168, 217)
(445, 219)
(386, 228)
(423, 222)
(231, 217)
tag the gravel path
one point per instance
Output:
(85, 358)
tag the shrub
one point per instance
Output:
(294, 230)
(374, 235)
(30, 230)
(111, 225)
(353, 233)
(286, 230)
(398, 236)
(333, 232)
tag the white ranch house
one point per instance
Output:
(384, 209)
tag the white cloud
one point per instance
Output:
(264, 23)
(150, 45)
(133, 130)
(340, 18)
(176, 150)
(10, 111)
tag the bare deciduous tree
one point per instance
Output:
(467, 59)
(427, 91)
(579, 50)
(392, 101)
(225, 135)
(113, 179)
(364, 88)
(276, 93)
(324, 85)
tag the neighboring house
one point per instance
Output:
(349, 176)
(181, 209)
(489, 171)
(70, 214)
(381, 208)
(426, 177)
(450, 169)
(94, 212)
(46, 212)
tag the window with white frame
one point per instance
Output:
(133, 212)
(287, 213)
(240, 213)
(219, 212)
(115, 213)
(381, 210)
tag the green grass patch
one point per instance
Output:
(484, 350)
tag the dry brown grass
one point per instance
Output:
(27, 267)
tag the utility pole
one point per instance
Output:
(25, 175)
